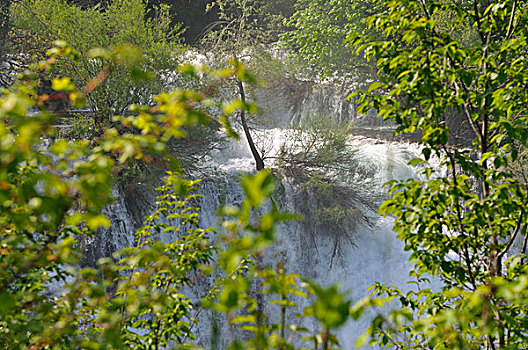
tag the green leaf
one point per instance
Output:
(258, 187)
(427, 153)
(62, 84)
(96, 221)
(415, 161)
(7, 302)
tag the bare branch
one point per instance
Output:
(512, 16)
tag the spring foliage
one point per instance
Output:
(121, 26)
(466, 228)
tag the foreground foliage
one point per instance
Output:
(466, 228)
(52, 192)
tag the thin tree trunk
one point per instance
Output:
(259, 162)
(4, 26)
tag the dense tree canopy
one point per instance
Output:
(122, 23)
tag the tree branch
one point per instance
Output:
(512, 16)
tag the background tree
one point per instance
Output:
(4, 26)
(6, 64)
(318, 36)
(122, 21)
(237, 34)
(191, 14)
(328, 173)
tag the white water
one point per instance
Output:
(376, 256)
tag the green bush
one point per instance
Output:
(120, 24)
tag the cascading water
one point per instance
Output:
(375, 255)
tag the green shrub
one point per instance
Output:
(120, 24)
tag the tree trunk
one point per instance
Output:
(4, 26)
(259, 162)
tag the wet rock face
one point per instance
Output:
(287, 104)
(373, 254)
(376, 254)
(126, 216)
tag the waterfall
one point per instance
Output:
(374, 255)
